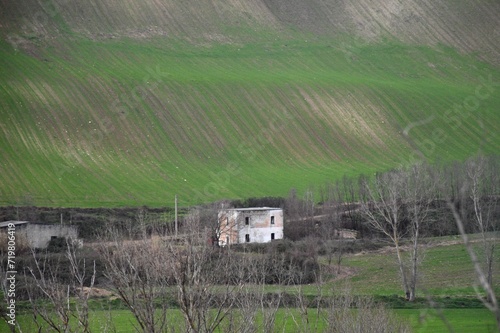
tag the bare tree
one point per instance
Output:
(208, 217)
(329, 235)
(481, 187)
(339, 251)
(397, 204)
(347, 195)
(383, 208)
(298, 208)
(293, 205)
(249, 271)
(198, 268)
(470, 191)
(308, 205)
(295, 216)
(419, 193)
(490, 301)
(81, 289)
(304, 306)
(329, 242)
(139, 273)
(47, 284)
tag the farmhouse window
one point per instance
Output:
(247, 220)
(272, 236)
(247, 238)
(272, 219)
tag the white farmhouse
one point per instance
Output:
(249, 225)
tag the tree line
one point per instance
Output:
(405, 204)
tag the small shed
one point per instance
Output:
(38, 235)
(249, 225)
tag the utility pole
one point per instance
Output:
(176, 216)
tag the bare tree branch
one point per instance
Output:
(491, 301)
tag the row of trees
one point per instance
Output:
(157, 275)
(405, 204)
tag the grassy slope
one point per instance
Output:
(446, 271)
(248, 107)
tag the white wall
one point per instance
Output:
(39, 235)
(232, 225)
(260, 227)
(260, 235)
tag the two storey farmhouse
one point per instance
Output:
(250, 225)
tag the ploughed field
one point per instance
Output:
(113, 105)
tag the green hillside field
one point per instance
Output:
(130, 105)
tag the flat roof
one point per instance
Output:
(253, 208)
(6, 223)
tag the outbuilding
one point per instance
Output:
(38, 235)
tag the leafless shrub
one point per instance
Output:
(139, 273)
(51, 297)
(354, 314)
